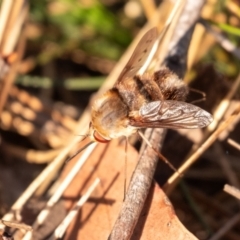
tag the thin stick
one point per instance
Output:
(225, 165)
(125, 168)
(138, 189)
(224, 42)
(173, 179)
(11, 74)
(217, 116)
(51, 168)
(149, 8)
(18, 15)
(142, 177)
(157, 152)
(65, 223)
(4, 14)
(235, 192)
(234, 144)
(223, 106)
(224, 229)
(54, 199)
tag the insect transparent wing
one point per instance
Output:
(140, 55)
(170, 114)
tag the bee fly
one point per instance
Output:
(143, 100)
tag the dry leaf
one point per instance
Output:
(158, 219)
(96, 218)
(98, 215)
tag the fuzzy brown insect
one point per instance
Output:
(143, 100)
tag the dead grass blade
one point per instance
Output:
(235, 192)
(234, 144)
(171, 183)
(13, 20)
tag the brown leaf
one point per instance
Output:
(98, 215)
(96, 218)
(158, 219)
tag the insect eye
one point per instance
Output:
(99, 138)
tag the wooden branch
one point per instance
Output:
(142, 178)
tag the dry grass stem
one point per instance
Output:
(13, 25)
(32, 155)
(48, 173)
(4, 14)
(226, 166)
(222, 40)
(223, 106)
(198, 37)
(235, 192)
(59, 191)
(65, 223)
(234, 144)
(149, 8)
(171, 183)
(225, 228)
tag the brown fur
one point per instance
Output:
(171, 86)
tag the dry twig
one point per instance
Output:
(172, 180)
(135, 197)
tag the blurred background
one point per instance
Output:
(54, 55)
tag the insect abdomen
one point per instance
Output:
(172, 88)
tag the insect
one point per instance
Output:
(144, 100)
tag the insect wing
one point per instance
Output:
(140, 55)
(170, 114)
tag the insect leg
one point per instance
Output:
(125, 168)
(158, 153)
(199, 92)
